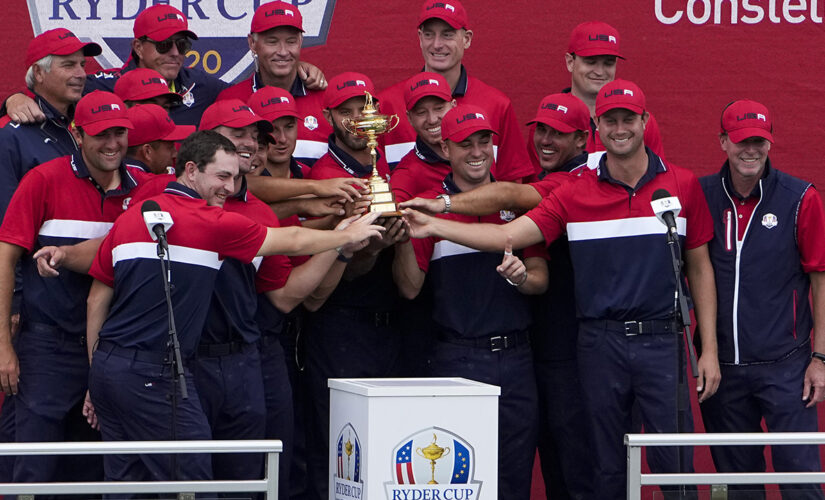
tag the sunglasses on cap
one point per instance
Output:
(183, 45)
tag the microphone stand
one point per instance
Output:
(682, 313)
(173, 343)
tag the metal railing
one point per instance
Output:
(635, 443)
(184, 489)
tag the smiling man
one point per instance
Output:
(628, 338)
(67, 200)
(444, 34)
(768, 253)
(480, 320)
(275, 40)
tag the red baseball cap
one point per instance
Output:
(426, 84)
(449, 11)
(152, 123)
(620, 94)
(745, 118)
(273, 14)
(594, 38)
(463, 121)
(143, 83)
(159, 22)
(59, 42)
(99, 110)
(346, 86)
(233, 113)
(271, 103)
(563, 112)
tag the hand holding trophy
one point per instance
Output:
(370, 125)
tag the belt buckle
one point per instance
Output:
(498, 343)
(632, 328)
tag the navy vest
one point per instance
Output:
(763, 312)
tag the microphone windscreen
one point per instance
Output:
(657, 195)
(152, 206)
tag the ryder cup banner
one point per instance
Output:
(413, 439)
(221, 26)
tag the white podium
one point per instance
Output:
(413, 439)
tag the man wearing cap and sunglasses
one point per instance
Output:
(629, 343)
(275, 40)
(480, 319)
(562, 126)
(768, 253)
(444, 34)
(64, 201)
(152, 141)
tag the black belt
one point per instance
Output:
(649, 327)
(218, 350)
(154, 357)
(495, 343)
(376, 318)
(31, 326)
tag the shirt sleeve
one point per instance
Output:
(537, 250)
(423, 252)
(274, 270)
(697, 213)
(810, 226)
(512, 162)
(653, 138)
(103, 265)
(551, 182)
(550, 217)
(239, 237)
(28, 204)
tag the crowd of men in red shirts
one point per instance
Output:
(282, 278)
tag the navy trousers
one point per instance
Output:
(231, 393)
(132, 400)
(564, 438)
(512, 370)
(342, 343)
(278, 403)
(773, 391)
(617, 370)
(54, 372)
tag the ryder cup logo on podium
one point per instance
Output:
(434, 463)
(221, 25)
(347, 482)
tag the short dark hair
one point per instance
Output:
(200, 148)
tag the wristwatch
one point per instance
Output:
(818, 355)
(446, 199)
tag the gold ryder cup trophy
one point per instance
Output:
(370, 125)
(433, 452)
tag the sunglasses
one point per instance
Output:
(183, 45)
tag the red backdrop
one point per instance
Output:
(690, 64)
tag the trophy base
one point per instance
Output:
(385, 209)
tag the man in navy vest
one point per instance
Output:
(768, 249)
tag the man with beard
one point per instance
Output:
(355, 333)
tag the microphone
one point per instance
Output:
(157, 221)
(666, 208)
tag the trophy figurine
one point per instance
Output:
(432, 453)
(370, 125)
(348, 451)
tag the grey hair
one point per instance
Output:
(45, 64)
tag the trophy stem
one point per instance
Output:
(432, 477)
